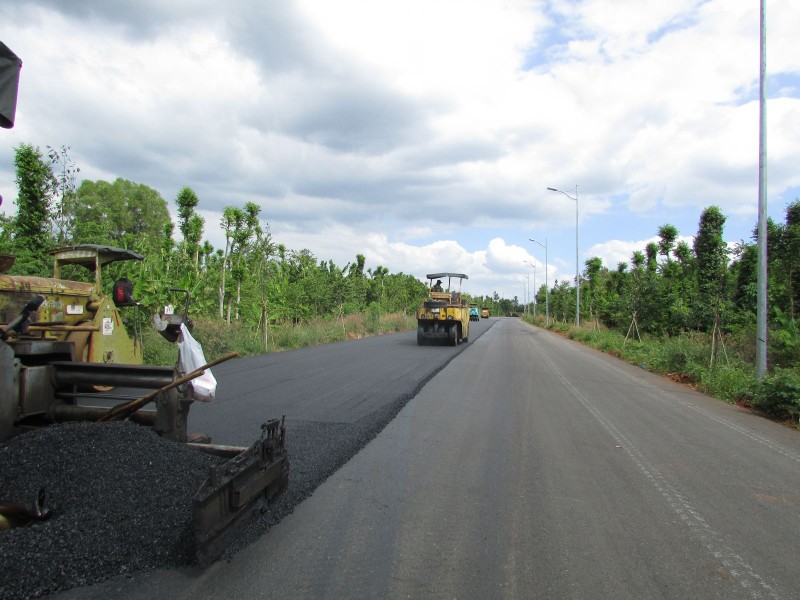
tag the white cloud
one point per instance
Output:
(388, 127)
(614, 252)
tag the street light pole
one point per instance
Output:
(526, 285)
(534, 287)
(761, 277)
(546, 283)
(577, 266)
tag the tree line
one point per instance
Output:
(251, 279)
(670, 287)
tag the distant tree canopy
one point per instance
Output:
(669, 286)
(251, 279)
(125, 214)
(30, 231)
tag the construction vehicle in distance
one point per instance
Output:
(474, 313)
(64, 346)
(444, 315)
(485, 312)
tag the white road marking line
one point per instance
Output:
(739, 570)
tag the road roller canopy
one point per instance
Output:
(437, 277)
(448, 275)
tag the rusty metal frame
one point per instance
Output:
(239, 489)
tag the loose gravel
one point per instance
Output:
(121, 502)
(121, 497)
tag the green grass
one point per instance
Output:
(219, 338)
(687, 358)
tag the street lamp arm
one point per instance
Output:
(563, 192)
(535, 242)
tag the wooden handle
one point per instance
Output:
(122, 411)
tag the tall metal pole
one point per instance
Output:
(534, 289)
(527, 294)
(530, 264)
(577, 260)
(577, 267)
(524, 295)
(761, 302)
(546, 283)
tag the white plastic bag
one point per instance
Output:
(192, 358)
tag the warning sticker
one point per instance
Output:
(108, 326)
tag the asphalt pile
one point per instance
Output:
(121, 502)
(121, 498)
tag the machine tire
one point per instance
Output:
(452, 335)
(420, 335)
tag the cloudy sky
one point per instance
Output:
(421, 133)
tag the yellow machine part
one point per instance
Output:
(74, 312)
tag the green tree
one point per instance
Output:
(64, 191)
(668, 234)
(651, 251)
(35, 184)
(672, 310)
(123, 213)
(378, 279)
(592, 275)
(745, 273)
(247, 232)
(6, 231)
(232, 218)
(786, 259)
(356, 286)
(711, 253)
(640, 297)
(192, 237)
(186, 201)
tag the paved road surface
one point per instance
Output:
(532, 467)
(323, 386)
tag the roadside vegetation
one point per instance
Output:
(689, 312)
(675, 308)
(685, 358)
(251, 296)
(218, 338)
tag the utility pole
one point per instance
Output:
(546, 283)
(761, 300)
(577, 260)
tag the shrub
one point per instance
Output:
(743, 342)
(373, 318)
(784, 340)
(727, 382)
(683, 353)
(778, 394)
(218, 337)
(398, 322)
(602, 339)
(157, 350)
(688, 355)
